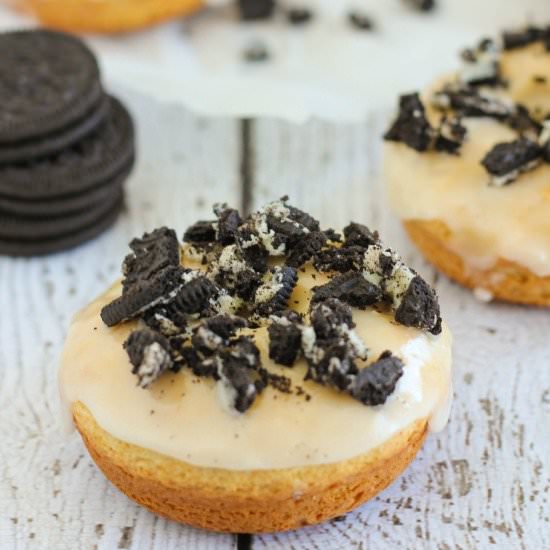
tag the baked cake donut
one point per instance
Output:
(262, 376)
(467, 169)
(107, 16)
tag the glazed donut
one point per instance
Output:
(467, 168)
(263, 376)
(107, 16)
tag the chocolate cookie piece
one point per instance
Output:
(471, 102)
(162, 288)
(149, 354)
(412, 300)
(421, 5)
(349, 258)
(357, 234)
(512, 40)
(418, 307)
(251, 10)
(228, 223)
(31, 229)
(351, 288)
(305, 248)
(49, 81)
(69, 204)
(285, 338)
(506, 161)
(39, 247)
(328, 317)
(51, 144)
(522, 122)
(360, 21)
(151, 253)
(411, 126)
(82, 167)
(273, 293)
(301, 217)
(450, 135)
(195, 296)
(201, 233)
(299, 16)
(330, 345)
(255, 52)
(374, 384)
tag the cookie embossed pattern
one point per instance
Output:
(254, 326)
(478, 145)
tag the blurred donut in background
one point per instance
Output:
(106, 16)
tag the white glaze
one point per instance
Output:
(487, 222)
(280, 430)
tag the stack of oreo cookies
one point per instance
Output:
(66, 147)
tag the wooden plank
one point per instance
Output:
(485, 480)
(51, 494)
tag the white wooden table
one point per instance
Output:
(482, 483)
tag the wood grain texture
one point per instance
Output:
(483, 482)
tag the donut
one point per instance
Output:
(467, 169)
(261, 376)
(107, 16)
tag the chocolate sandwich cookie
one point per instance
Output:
(69, 204)
(38, 247)
(49, 80)
(79, 168)
(28, 228)
(50, 144)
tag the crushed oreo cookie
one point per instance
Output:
(151, 253)
(299, 16)
(414, 302)
(356, 234)
(421, 5)
(512, 40)
(146, 294)
(411, 126)
(201, 232)
(373, 384)
(306, 247)
(192, 318)
(450, 135)
(351, 288)
(472, 102)
(149, 354)
(348, 258)
(252, 10)
(285, 337)
(360, 21)
(255, 52)
(273, 293)
(506, 161)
